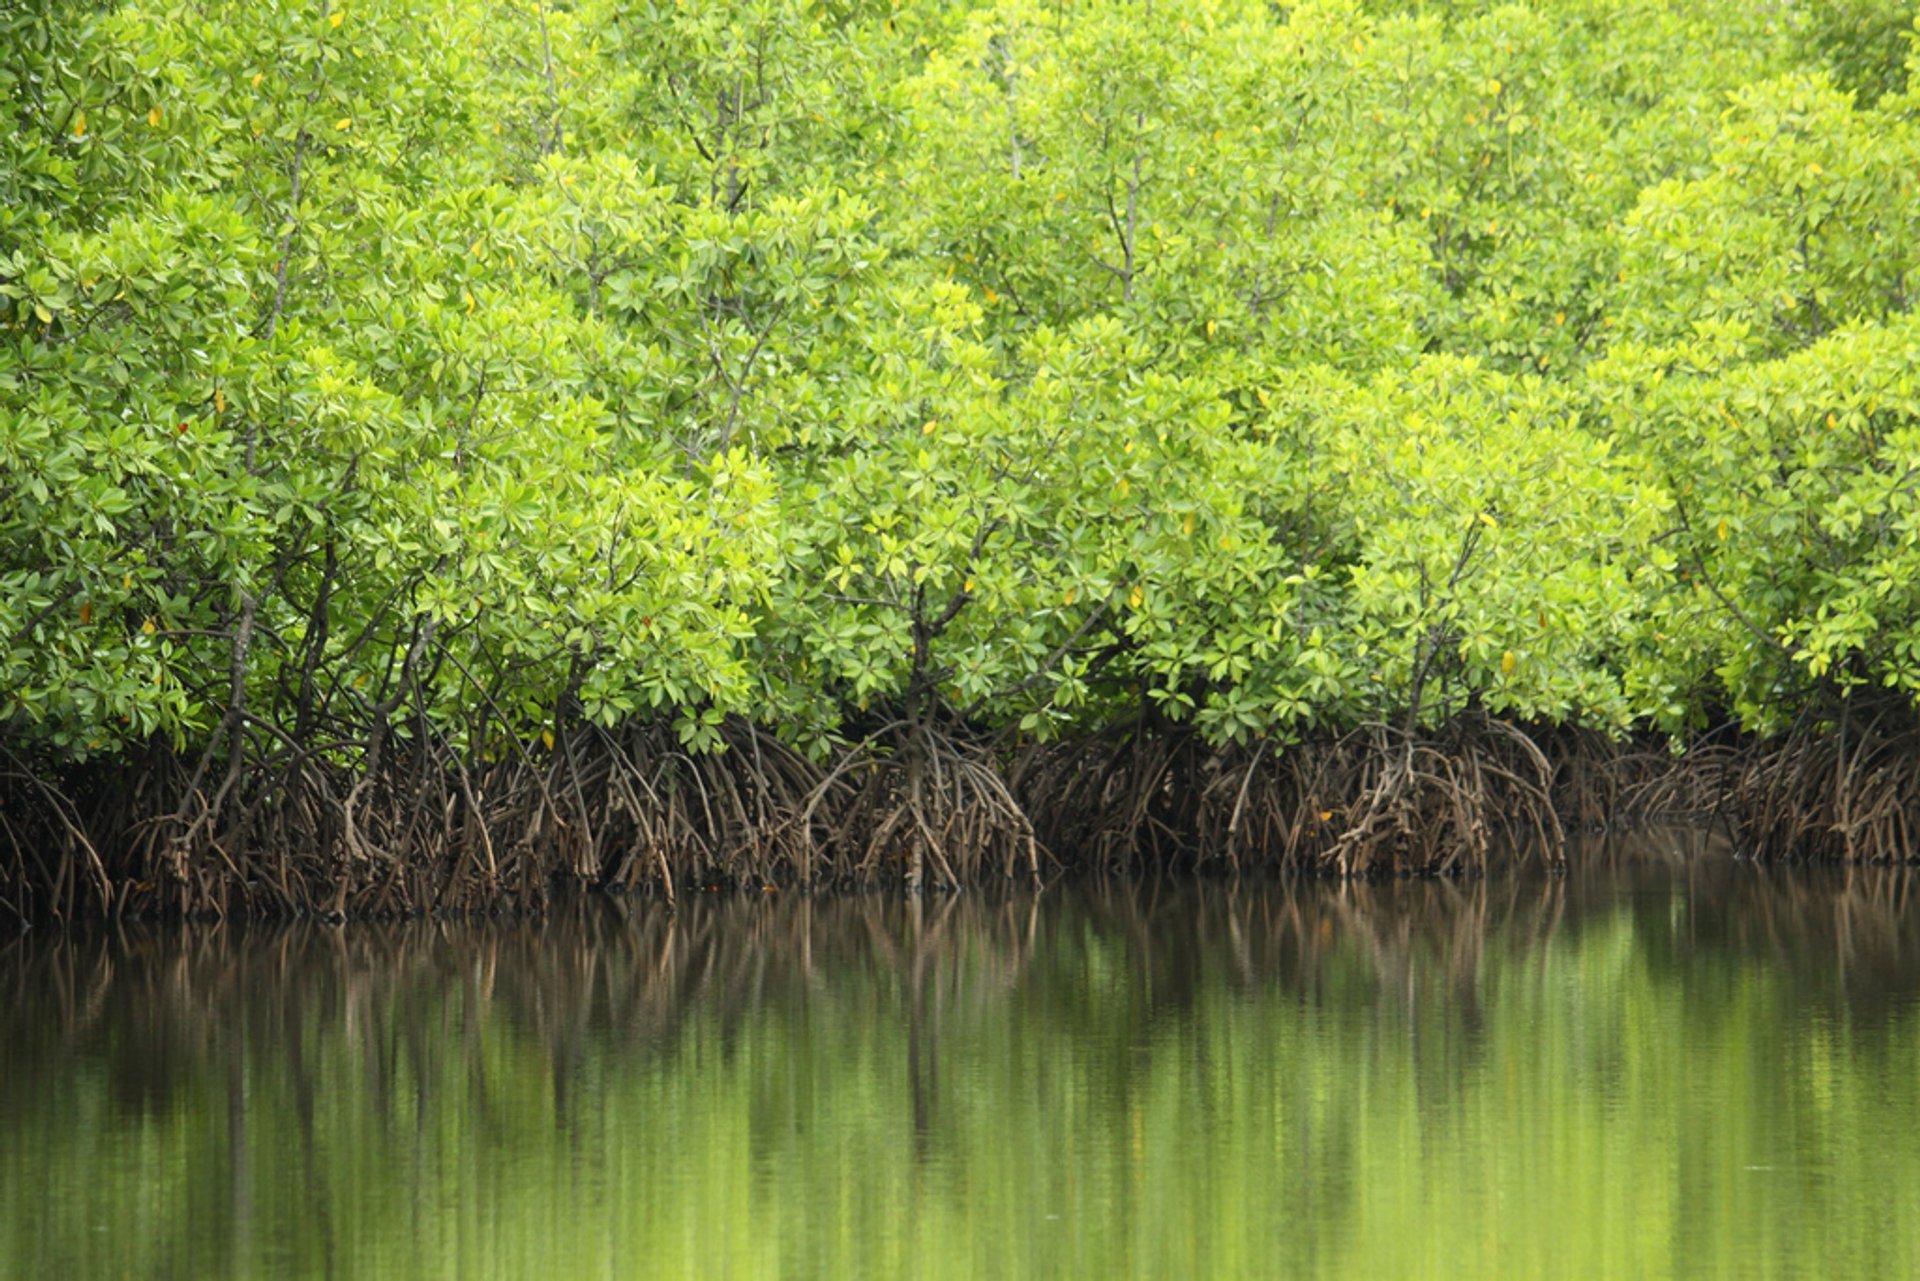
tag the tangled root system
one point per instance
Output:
(416, 827)
(1376, 799)
(1851, 793)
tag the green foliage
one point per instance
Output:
(1805, 221)
(1866, 44)
(1795, 541)
(306, 381)
(475, 368)
(1498, 551)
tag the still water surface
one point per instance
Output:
(1663, 1064)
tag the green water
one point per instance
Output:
(1663, 1064)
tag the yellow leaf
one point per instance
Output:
(80, 125)
(1326, 816)
(219, 401)
(992, 297)
(153, 117)
(333, 19)
(86, 612)
(1136, 597)
(1508, 662)
(546, 736)
(1210, 328)
(126, 581)
(928, 429)
(147, 628)
(1127, 448)
(1186, 526)
(343, 124)
(1722, 531)
(1559, 317)
(967, 586)
(1121, 487)
(470, 303)
(1831, 421)
(258, 76)
(1493, 88)
(1072, 593)
(1261, 393)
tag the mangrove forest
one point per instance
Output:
(452, 450)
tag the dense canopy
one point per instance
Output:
(496, 382)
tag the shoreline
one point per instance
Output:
(917, 808)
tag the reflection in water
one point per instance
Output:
(1661, 1063)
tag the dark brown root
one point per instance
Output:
(423, 830)
(1383, 800)
(1603, 783)
(47, 857)
(916, 802)
(1373, 800)
(1126, 797)
(416, 826)
(1848, 792)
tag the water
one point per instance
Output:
(1663, 1064)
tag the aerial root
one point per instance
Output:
(1377, 799)
(425, 828)
(1850, 793)
(920, 804)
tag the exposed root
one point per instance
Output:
(1373, 800)
(1125, 797)
(918, 802)
(418, 826)
(1383, 800)
(53, 862)
(1849, 793)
